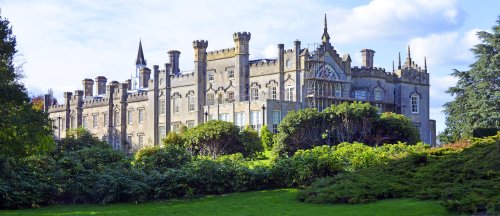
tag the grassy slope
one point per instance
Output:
(275, 202)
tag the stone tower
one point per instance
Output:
(200, 72)
(241, 67)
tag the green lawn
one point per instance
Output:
(274, 202)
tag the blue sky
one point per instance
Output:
(62, 42)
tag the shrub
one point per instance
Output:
(266, 137)
(251, 142)
(156, 158)
(392, 128)
(213, 138)
(173, 139)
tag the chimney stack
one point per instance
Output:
(174, 61)
(88, 87)
(101, 85)
(367, 58)
(144, 75)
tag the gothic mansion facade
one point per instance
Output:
(226, 85)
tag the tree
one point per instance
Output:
(213, 138)
(23, 130)
(477, 92)
(266, 137)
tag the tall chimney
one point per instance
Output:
(174, 61)
(101, 85)
(367, 58)
(144, 75)
(88, 87)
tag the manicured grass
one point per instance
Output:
(272, 202)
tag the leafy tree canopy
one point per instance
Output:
(477, 92)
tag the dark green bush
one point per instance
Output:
(156, 158)
(465, 181)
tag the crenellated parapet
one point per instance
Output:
(57, 108)
(375, 72)
(137, 96)
(221, 54)
(263, 63)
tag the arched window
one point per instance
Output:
(415, 103)
(378, 94)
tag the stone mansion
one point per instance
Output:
(227, 85)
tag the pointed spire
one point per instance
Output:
(425, 64)
(399, 63)
(393, 70)
(326, 37)
(140, 56)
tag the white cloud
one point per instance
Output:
(452, 48)
(395, 18)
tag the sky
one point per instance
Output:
(61, 42)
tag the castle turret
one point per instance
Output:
(241, 66)
(367, 58)
(200, 72)
(174, 61)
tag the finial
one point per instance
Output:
(325, 38)
(399, 63)
(409, 56)
(425, 64)
(393, 70)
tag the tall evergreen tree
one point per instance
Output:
(23, 130)
(477, 92)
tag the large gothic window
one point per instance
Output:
(378, 94)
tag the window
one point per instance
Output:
(360, 95)
(210, 76)
(338, 90)
(94, 121)
(254, 93)
(163, 133)
(320, 89)
(116, 118)
(106, 119)
(273, 92)
(73, 121)
(176, 127)
(256, 120)
(276, 120)
(378, 94)
(239, 120)
(129, 117)
(210, 99)
(129, 139)
(63, 123)
(224, 116)
(191, 103)
(414, 104)
(230, 73)
(220, 97)
(140, 141)
(176, 102)
(141, 116)
(162, 107)
(379, 108)
(230, 96)
(84, 122)
(190, 124)
(289, 92)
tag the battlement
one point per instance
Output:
(221, 54)
(137, 96)
(57, 108)
(242, 36)
(94, 102)
(263, 63)
(378, 72)
(289, 51)
(200, 44)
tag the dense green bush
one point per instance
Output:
(267, 138)
(213, 138)
(466, 181)
(156, 158)
(392, 128)
(251, 142)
